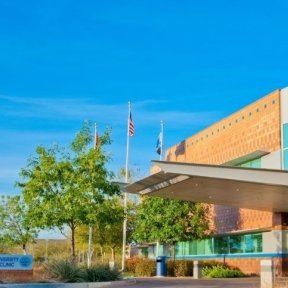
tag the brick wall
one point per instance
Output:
(16, 275)
(255, 127)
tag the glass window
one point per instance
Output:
(209, 246)
(161, 250)
(193, 247)
(245, 243)
(200, 247)
(286, 159)
(253, 243)
(236, 244)
(256, 163)
(179, 248)
(285, 135)
(221, 245)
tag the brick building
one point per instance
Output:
(237, 166)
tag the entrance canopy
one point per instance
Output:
(259, 189)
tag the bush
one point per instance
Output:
(180, 268)
(100, 274)
(145, 267)
(221, 272)
(64, 271)
(130, 264)
(69, 272)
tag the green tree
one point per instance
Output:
(169, 221)
(15, 227)
(64, 187)
(107, 227)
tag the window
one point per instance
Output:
(228, 244)
(285, 145)
(255, 163)
(221, 245)
(253, 243)
(285, 135)
(236, 244)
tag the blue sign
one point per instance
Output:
(16, 262)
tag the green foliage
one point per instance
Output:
(67, 271)
(219, 271)
(108, 226)
(180, 268)
(64, 271)
(169, 221)
(15, 227)
(65, 187)
(100, 274)
(145, 267)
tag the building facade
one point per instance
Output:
(254, 137)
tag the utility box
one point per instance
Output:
(161, 266)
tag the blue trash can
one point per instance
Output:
(161, 266)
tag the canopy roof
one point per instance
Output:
(259, 189)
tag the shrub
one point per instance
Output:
(130, 264)
(64, 271)
(170, 268)
(212, 263)
(69, 272)
(180, 268)
(145, 267)
(100, 274)
(222, 272)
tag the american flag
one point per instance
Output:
(131, 126)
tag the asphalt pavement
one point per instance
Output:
(172, 282)
(153, 282)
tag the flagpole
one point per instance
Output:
(160, 158)
(125, 194)
(90, 226)
(161, 140)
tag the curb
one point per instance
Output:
(71, 285)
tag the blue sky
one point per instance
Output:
(188, 63)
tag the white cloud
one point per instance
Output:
(109, 114)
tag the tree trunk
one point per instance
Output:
(113, 254)
(102, 255)
(24, 249)
(73, 255)
(174, 251)
(174, 258)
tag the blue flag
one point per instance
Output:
(159, 144)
